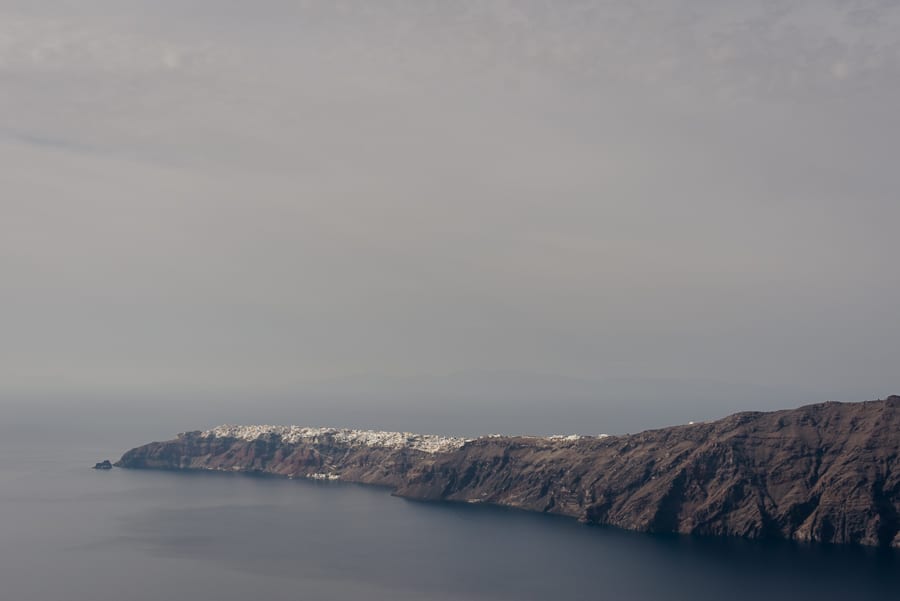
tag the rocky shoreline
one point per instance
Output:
(826, 473)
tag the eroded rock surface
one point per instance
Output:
(827, 472)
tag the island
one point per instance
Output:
(826, 473)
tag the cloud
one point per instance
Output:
(34, 45)
(231, 196)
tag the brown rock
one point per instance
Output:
(824, 473)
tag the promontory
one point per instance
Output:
(827, 473)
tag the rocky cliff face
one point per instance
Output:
(826, 473)
(381, 458)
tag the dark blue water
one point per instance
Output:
(74, 534)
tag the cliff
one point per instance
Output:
(827, 473)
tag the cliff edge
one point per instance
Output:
(826, 473)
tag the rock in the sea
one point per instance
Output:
(825, 473)
(103, 465)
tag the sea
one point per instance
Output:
(71, 533)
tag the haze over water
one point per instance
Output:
(239, 200)
(447, 216)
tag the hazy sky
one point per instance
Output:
(222, 197)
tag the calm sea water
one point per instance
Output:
(70, 533)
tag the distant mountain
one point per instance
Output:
(827, 473)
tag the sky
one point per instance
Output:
(448, 204)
